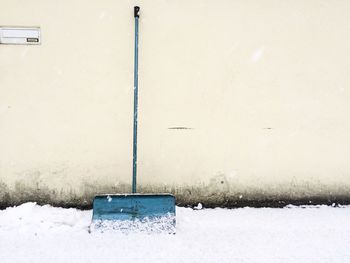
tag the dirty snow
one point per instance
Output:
(32, 233)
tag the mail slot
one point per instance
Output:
(20, 35)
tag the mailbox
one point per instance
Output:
(20, 35)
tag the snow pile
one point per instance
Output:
(159, 225)
(32, 233)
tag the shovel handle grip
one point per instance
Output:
(136, 11)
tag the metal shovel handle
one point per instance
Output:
(136, 60)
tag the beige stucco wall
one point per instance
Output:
(263, 85)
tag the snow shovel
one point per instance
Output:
(150, 212)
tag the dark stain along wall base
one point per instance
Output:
(185, 196)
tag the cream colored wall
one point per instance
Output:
(263, 85)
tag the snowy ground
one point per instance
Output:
(32, 233)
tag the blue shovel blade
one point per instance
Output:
(141, 208)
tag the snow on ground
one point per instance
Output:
(32, 233)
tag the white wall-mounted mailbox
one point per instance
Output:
(20, 35)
